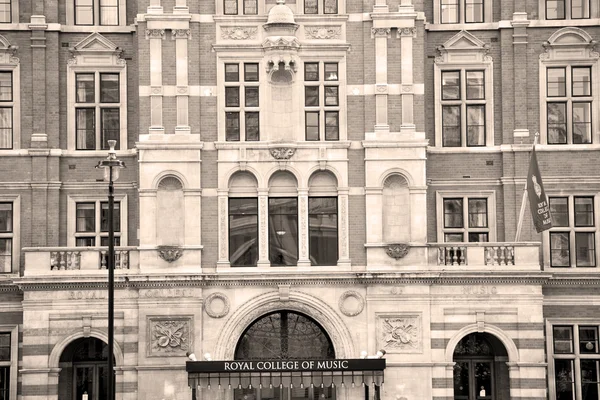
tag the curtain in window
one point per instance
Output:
(109, 12)
(6, 17)
(5, 259)
(6, 130)
(85, 126)
(110, 127)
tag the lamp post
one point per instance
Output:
(111, 167)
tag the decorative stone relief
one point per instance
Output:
(351, 303)
(382, 88)
(263, 227)
(397, 250)
(216, 305)
(282, 153)
(344, 225)
(181, 34)
(223, 227)
(400, 333)
(323, 32)
(169, 336)
(170, 253)
(155, 33)
(412, 31)
(381, 32)
(238, 32)
(303, 223)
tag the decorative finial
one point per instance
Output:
(112, 154)
(281, 2)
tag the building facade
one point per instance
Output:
(305, 179)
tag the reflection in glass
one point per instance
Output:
(243, 232)
(283, 231)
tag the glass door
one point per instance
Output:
(90, 380)
(315, 393)
(473, 380)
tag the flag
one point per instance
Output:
(538, 201)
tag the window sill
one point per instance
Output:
(289, 270)
(455, 150)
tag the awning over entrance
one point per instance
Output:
(284, 373)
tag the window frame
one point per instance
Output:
(240, 9)
(322, 109)
(121, 15)
(15, 234)
(572, 230)
(229, 247)
(462, 13)
(10, 63)
(242, 110)
(568, 10)
(320, 8)
(488, 195)
(337, 227)
(269, 214)
(12, 364)
(72, 234)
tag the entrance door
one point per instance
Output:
(90, 379)
(474, 379)
(315, 393)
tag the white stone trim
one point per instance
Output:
(490, 195)
(72, 199)
(15, 235)
(487, 14)
(70, 8)
(10, 63)
(14, 358)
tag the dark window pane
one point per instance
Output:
(473, 11)
(582, 123)
(243, 232)
(250, 7)
(476, 125)
(476, 237)
(580, 9)
(588, 339)
(311, 7)
(230, 7)
(453, 237)
(4, 353)
(6, 217)
(84, 12)
(5, 11)
(232, 96)
(116, 217)
(585, 249)
(555, 9)
(232, 72)
(283, 231)
(332, 125)
(109, 12)
(312, 125)
(311, 71)
(252, 126)
(109, 88)
(323, 228)
(331, 72)
(449, 11)
(6, 86)
(461, 380)
(478, 213)
(563, 339)
(557, 123)
(85, 88)
(559, 249)
(564, 379)
(451, 126)
(589, 379)
(451, 85)
(85, 217)
(559, 208)
(582, 81)
(556, 82)
(85, 241)
(232, 126)
(110, 126)
(85, 125)
(251, 96)
(584, 211)
(311, 96)
(331, 96)
(251, 72)
(6, 129)
(117, 242)
(330, 7)
(475, 85)
(5, 255)
(453, 213)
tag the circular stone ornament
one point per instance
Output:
(351, 303)
(216, 305)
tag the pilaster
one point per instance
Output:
(406, 36)
(156, 36)
(520, 24)
(263, 225)
(181, 37)
(381, 35)
(303, 259)
(343, 240)
(223, 212)
(38, 27)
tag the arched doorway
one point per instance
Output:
(83, 366)
(480, 370)
(285, 335)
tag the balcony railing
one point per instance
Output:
(515, 255)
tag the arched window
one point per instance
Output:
(170, 212)
(323, 219)
(396, 210)
(243, 220)
(283, 219)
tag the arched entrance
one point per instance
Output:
(83, 366)
(285, 335)
(480, 370)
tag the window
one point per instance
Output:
(575, 366)
(323, 230)
(321, 101)
(92, 224)
(97, 111)
(573, 236)
(463, 108)
(466, 220)
(96, 12)
(320, 7)
(5, 358)
(569, 104)
(567, 9)
(5, 11)
(463, 11)
(283, 231)
(242, 102)
(6, 237)
(243, 232)
(249, 7)
(6, 109)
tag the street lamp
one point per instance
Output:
(111, 167)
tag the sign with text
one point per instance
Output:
(538, 201)
(286, 365)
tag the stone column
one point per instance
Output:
(418, 211)
(343, 238)
(374, 203)
(181, 37)
(148, 223)
(381, 35)
(38, 27)
(222, 213)
(154, 7)
(156, 90)
(263, 224)
(520, 24)
(406, 42)
(303, 259)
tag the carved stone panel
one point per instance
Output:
(216, 305)
(169, 336)
(400, 333)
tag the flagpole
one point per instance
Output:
(522, 212)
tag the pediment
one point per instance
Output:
(8, 52)
(97, 42)
(463, 47)
(569, 43)
(464, 40)
(96, 49)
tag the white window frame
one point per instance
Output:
(320, 8)
(240, 9)
(576, 356)
(241, 84)
(568, 7)
(489, 195)
(562, 51)
(14, 358)
(465, 52)
(487, 13)
(70, 9)
(72, 233)
(15, 235)
(95, 54)
(572, 229)
(10, 63)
